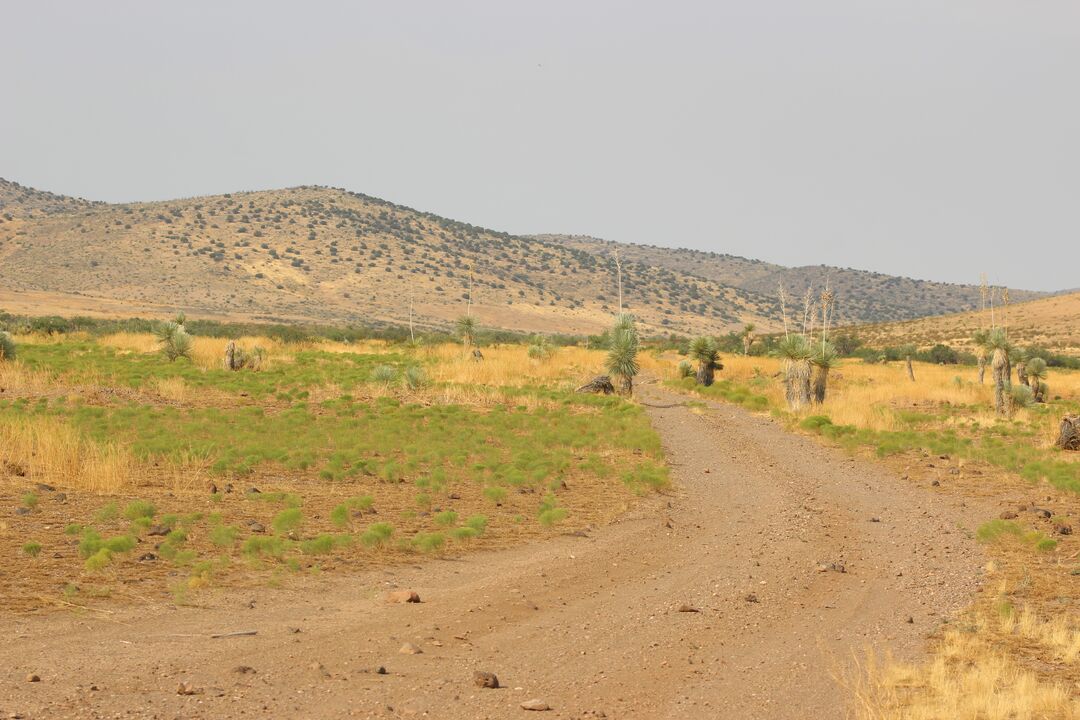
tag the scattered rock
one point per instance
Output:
(875, 518)
(148, 557)
(254, 491)
(1063, 529)
(752, 598)
(485, 679)
(187, 689)
(256, 526)
(32, 677)
(22, 511)
(244, 670)
(535, 704)
(910, 620)
(45, 488)
(402, 596)
(833, 566)
(60, 497)
(688, 608)
(936, 483)
(1008, 515)
(380, 670)
(294, 630)
(410, 649)
(158, 531)
(1043, 513)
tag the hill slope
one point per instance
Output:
(329, 255)
(863, 296)
(1048, 322)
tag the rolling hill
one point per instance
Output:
(328, 255)
(862, 296)
(1047, 322)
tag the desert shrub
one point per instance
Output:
(685, 369)
(33, 549)
(540, 348)
(340, 515)
(478, 523)
(1022, 395)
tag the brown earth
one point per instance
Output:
(589, 624)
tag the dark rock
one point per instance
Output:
(22, 511)
(45, 488)
(1008, 515)
(158, 531)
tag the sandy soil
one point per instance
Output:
(590, 624)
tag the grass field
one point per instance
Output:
(134, 477)
(1017, 654)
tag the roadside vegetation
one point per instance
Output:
(165, 463)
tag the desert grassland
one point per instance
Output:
(1016, 653)
(141, 479)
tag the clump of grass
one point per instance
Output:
(29, 500)
(258, 546)
(478, 523)
(423, 500)
(340, 515)
(464, 533)
(446, 518)
(287, 521)
(377, 534)
(495, 494)
(288, 499)
(224, 535)
(139, 509)
(429, 542)
(550, 514)
(108, 512)
(324, 544)
(997, 529)
(8, 350)
(73, 529)
(33, 549)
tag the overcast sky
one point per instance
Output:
(931, 138)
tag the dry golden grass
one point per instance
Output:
(966, 680)
(18, 379)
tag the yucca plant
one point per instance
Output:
(540, 348)
(705, 352)
(823, 360)
(384, 374)
(7, 346)
(980, 338)
(1020, 358)
(796, 351)
(907, 352)
(466, 330)
(414, 377)
(174, 340)
(997, 344)
(748, 337)
(622, 353)
(1036, 370)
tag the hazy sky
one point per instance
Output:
(935, 138)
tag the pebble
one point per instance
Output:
(32, 677)
(534, 704)
(410, 649)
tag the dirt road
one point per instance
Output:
(590, 625)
